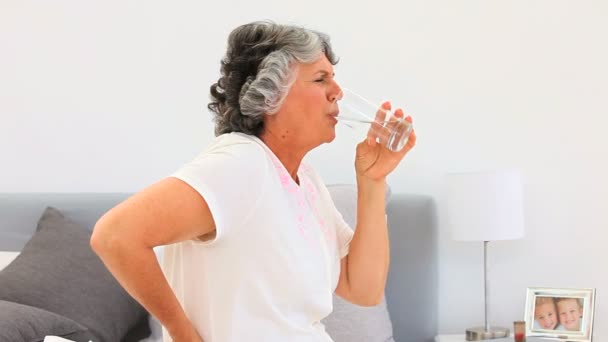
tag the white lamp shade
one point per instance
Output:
(485, 206)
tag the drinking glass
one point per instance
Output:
(359, 113)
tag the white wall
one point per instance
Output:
(112, 96)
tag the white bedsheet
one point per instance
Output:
(6, 258)
(56, 339)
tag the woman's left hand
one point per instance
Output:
(373, 160)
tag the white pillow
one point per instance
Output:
(6, 258)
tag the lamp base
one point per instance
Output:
(480, 333)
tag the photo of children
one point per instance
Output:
(558, 313)
(564, 314)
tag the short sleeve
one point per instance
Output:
(344, 234)
(230, 177)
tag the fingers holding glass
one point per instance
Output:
(377, 131)
(393, 132)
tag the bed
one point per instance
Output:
(50, 278)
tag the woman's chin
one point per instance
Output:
(331, 137)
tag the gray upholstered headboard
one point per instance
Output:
(413, 281)
(412, 284)
(19, 212)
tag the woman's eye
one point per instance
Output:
(320, 80)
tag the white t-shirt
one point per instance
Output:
(270, 272)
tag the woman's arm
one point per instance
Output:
(365, 268)
(166, 212)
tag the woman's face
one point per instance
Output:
(569, 314)
(306, 118)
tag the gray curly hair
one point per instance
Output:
(258, 70)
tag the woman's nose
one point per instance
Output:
(337, 97)
(336, 92)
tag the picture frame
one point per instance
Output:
(560, 313)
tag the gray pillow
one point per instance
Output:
(58, 271)
(349, 322)
(22, 323)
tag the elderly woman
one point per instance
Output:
(254, 244)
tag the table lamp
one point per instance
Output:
(485, 206)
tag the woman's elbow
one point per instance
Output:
(103, 238)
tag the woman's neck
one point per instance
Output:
(287, 154)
